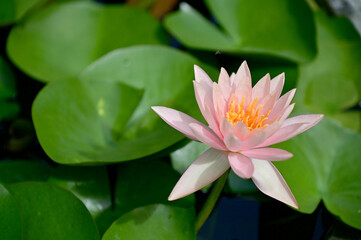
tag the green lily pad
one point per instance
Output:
(281, 28)
(146, 182)
(330, 83)
(326, 166)
(10, 221)
(50, 212)
(154, 222)
(13, 10)
(89, 184)
(105, 123)
(81, 122)
(59, 41)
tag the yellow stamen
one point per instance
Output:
(250, 117)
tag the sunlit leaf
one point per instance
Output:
(50, 212)
(99, 120)
(330, 83)
(81, 122)
(154, 222)
(326, 166)
(59, 41)
(281, 28)
(10, 221)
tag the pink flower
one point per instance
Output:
(243, 121)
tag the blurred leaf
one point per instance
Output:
(50, 212)
(10, 221)
(21, 170)
(326, 166)
(154, 222)
(88, 121)
(79, 122)
(58, 42)
(146, 182)
(330, 83)
(281, 28)
(89, 184)
(13, 10)
(7, 91)
(182, 158)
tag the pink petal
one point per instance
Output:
(277, 84)
(262, 135)
(226, 127)
(241, 130)
(283, 134)
(207, 136)
(201, 76)
(292, 127)
(269, 181)
(243, 83)
(268, 103)
(241, 165)
(224, 83)
(232, 143)
(205, 103)
(233, 75)
(177, 120)
(281, 104)
(254, 141)
(270, 154)
(287, 112)
(219, 102)
(206, 169)
(262, 87)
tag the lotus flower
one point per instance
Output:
(243, 121)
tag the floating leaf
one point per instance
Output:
(50, 212)
(326, 166)
(59, 41)
(281, 28)
(10, 221)
(13, 10)
(80, 122)
(154, 222)
(330, 83)
(102, 124)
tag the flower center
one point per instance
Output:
(250, 117)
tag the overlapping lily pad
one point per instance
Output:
(89, 184)
(50, 212)
(326, 166)
(330, 83)
(10, 221)
(13, 10)
(98, 120)
(59, 41)
(281, 28)
(154, 222)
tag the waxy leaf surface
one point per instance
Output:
(281, 28)
(59, 41)
(154, 222)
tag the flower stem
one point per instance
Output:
(211, 201)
